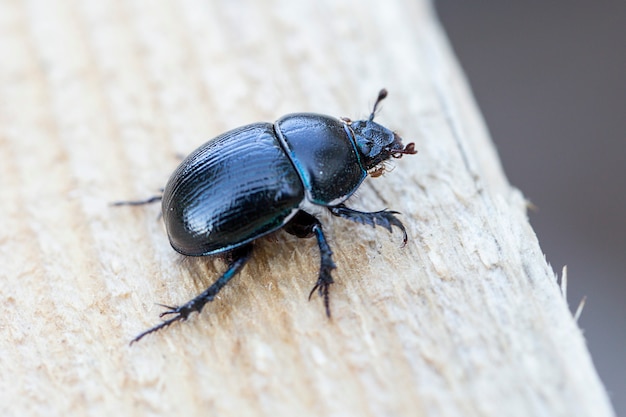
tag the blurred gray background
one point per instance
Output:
(550, 79)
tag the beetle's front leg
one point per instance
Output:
(305, 225)
(384, 218)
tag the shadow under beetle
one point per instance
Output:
(256, 179)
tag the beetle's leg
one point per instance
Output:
(384, 218)
(239, 257)
(150, 200)
(305, 225)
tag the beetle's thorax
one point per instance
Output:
(323, 154)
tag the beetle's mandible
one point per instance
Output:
(256, 179)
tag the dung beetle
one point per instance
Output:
(258, 178)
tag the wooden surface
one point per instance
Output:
(98, 100)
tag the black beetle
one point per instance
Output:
(256, 179)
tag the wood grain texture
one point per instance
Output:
(97, 102)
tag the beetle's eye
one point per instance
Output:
(366, 147)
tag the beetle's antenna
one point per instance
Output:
(381, 96)
(409, 149)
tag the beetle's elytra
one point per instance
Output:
(256, 179)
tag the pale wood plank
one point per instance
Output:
(97, 99)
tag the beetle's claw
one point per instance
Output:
(166, 306)
(322, 288)
(181, 314)
(158, 327)
(383, 218)
(183, 311)
(387, 219)
(318, 286)
(393, 221)
(168, 312)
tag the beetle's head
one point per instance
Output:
(375, 142)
